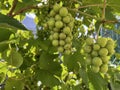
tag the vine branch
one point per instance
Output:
(91, 5)
(27, 8)
(103, 12)
(13, 7)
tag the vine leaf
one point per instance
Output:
(13, 58)
(14, 84)
(6, 21)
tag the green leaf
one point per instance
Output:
(14, 84)
(4, 34)
(46, 62)
(71, 61)
(6, 21)
(47, 78)
(13, 58)
(97, 81)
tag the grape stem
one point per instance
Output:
(13, 7)
(98, 32)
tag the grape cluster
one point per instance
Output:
(98, 53)
(61, 23)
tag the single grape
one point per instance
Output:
(66, 30)
(104, 68)
(62, 35)
(58, 24)
(60, 49)
(63, 11)
(103, 52)
(89, 41)
(96, 47)
(87, 49)
(102, 41)
(95, 69)
(96, 61)
(55, 42)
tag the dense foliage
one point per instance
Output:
(67, 52)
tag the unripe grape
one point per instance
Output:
(95, 69)
(55, 36)
(111, 42)
(96, 61)
(103, 52)
(51, 37)
(71, 24)
(68, 40)
(102, 41)
(87, 49)
(96, 47)
(63, 11)
(52, 13)
(55, 42)
(110, 49)
(56, 7)
(51, 23)
(66, 30)
(67, 46)
(67, 52)
(89, 41)
(66, 19)
(62, 36)
(56, 29)
(58, 17)
(94, 53)
(105, 59)
(104, 68)
(62, 42)
(88, 60)
(58, 24)
(60, 49)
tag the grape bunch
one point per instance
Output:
(61, 24)
(98, 53)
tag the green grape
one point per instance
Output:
(60, 49)
(87, 49)
(96, 61)
(66, 30)
(95, 69)
(105, 59)
(103, 52)
(55, 36)
(55, 42)
(56, 29)
(102, 41)
(63, 11)
(56, 7)
(104, 68)
(111, 42)
(51, 23)
(62, 42)
(67, 51)
(62, 35)
(88, 60)
(89, 41)
(71, 24)
(96, 47)
(94, 53)
(58, 24)
(51, 37)
(67, 46)
(66, 19)
(52, 13)
(110, 49)
(58, 17)
(68, 40)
